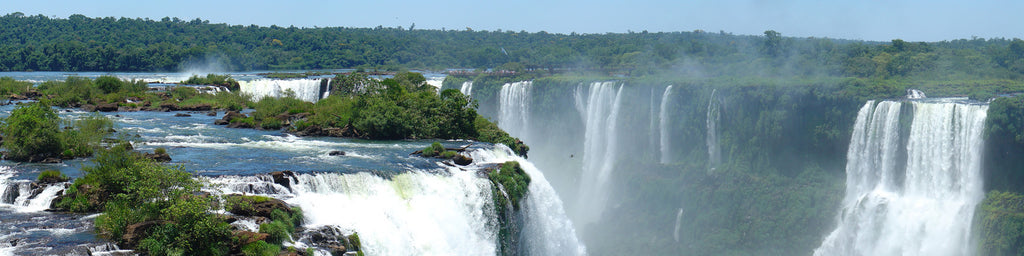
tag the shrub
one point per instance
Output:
(511, 177)
(31, 130)
(108, 84)
(51, 176)
(9, 86)
(160, 151)
(435, 149)
(261, 248)
(278, 231)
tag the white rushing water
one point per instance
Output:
(665, 141)
(514, 108)
(926, 209)
(915, 94)
(547, 230)
(22, 196)
(467, 88)
(713, 116)
(305, 89)
(425, 212)
(598, 104)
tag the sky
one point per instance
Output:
(872, 20)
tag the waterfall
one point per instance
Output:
(514, 108)
(679, 218)
(663, 117)
(713, 116)
(423, 212)
(436, 82)
(653, 132)
(467, 88)
(920, 201)
(305, 89)
(915, 94)
(547, 230)
(599, 108)
(24, 195)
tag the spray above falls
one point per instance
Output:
(913, 192)
(514, 108)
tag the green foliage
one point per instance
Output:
(435, 149)
(86, 135)
(108, 84)
(1000, 224)
(353, 239)
(160, 151)
(513, 179)
(51, 176)
(214, 79)
(490, 132)
(261, 248)
(9, 86)
(31, 130)
(277, 230)
(1004, 144)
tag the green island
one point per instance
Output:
(776, 192)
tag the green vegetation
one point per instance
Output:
(33, 133)
(1000, 219)
(437, 150)
(214, 79)
(9, 86)
(282, 75)
(1004, 144)
(51, 176)
(513, 179)
(509, 186)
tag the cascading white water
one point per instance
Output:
(679, 219)
(20, 194)
(547, 230)
(713, 116)
(915, 94)
(304, 89)
(467, 88)
(665, 141)
(436, 82)
(926, 210)
(599, 109)
(424, 212)
(514, 108)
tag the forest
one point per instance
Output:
(80, 43)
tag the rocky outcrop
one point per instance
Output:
(138, 231)
(159, 157)
(283, 178)
(182, 115)
(336, 153)
(462, 160)
(254, 205)
(107, 107)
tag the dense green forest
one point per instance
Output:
(80, 43)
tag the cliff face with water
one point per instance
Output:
(663, 167)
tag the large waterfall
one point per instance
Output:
(916, 198)
(663, 119)
(514, 108)
(310, 90)
(423, 212)
(598, 104)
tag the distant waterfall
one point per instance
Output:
(467, 88)
(514, 108)
(309, 90)
(926, 209)
(653, 129)
(679, 220)
(598, 105)
(915, 94)
(666, 153)
(713, 116)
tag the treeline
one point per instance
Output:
(80, 43)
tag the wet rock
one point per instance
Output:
(164, 157)
(283, 178)
(240, 125)
(107, 107)
(182, 115)
(336, 153)
(257, 206)
(88, 108)
(220, 122)
(462, 160)
(245, 237)
(211, 113)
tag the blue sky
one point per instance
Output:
(877, 20)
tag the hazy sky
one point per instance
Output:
(877, 20)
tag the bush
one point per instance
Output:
(435, 149)
(278, 231)
(9, 86)
(31, 131)
(51, 176)
(108, 84)
(261, 248)
(160, 151)
(515, 181)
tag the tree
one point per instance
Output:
(772, 43)
(31, 133)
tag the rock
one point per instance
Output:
(107, 107)
(460, 159)
(262, 209)
(283, 178)
(158, 157)
(212, 113)
(182, 115)
(232, 115)
(138, 231)
(220, 122)
(88, 108)
(245, 237)
(240, 125)
(167, 106)
(336, 153)
(51, 160)
(197, 107)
